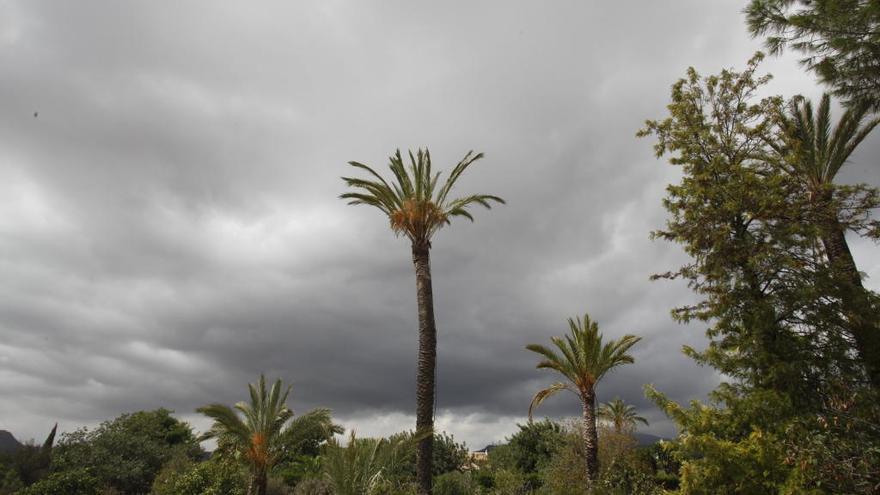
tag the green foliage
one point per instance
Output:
(298, 469)
(10, 481)
(28, 464)
(413, 202)
(448, 455)
(812, 152)
(626, 479)
(369, 466)
(732, 445)
(565, 473)
(620, 415)
(531, 448)
(313, 486)
(623, 468)
(75, 481)
(127, 452)
(582, 359)
(838, 37)
(508, 482)
(266, 433)
(776, 319)
(455, 483)
(214, 477)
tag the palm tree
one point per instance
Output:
(417, 206)
(582, 359)
(621, 415)
(266, 426)
(367, 465)
(814, 153)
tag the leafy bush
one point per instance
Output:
(369, 466)
(455, 483)
(127, 452)
(447, 454)
(214, 477)
(78, 481)
(509, 483)
(314, 486)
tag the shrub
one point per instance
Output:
(214, 477)
(455, 483)
(79, 482)
(313, 486)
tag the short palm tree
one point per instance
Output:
(622, 416)
(814, 153)
(417, 206)
(366, 466)
(265, 426)
(582, 359)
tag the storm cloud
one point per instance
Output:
(170, 228)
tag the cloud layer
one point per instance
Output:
(169, 227)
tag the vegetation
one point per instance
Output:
(264, 431)
(791, 327)
(582, 359)
(124, 454)
(813, 153)
(219, 476)
(417, 208)
(780, 327)
(839, 39)
(622, 416)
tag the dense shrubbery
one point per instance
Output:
(214, 477)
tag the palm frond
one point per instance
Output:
(582, 357)
(546, 393)
(411, 200)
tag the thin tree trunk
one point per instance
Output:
(426, 367)
(591, 438)
(258, 484)
(860, 312)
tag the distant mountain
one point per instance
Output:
(646, 439)
(8, 443)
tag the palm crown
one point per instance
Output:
(582, 358)
(816, 152)
(620, 414)
(416, 204)
(264, 427)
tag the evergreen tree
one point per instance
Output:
(840, 40)
(776, 322)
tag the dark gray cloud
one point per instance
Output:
(169, 226)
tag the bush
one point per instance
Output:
(455, 483)
(214, 477)
(79, 482)
(128, 452)
(313, 486)
(509, 483)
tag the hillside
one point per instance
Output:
(8, 443)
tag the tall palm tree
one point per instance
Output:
(582, 359)
(417, 206)
(814, 153)
(265, 427)
(621, 415)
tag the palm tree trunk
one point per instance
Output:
(258, 484)
(591, 438)
(426, 366)
(860, 312)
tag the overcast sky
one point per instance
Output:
(170, 228)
